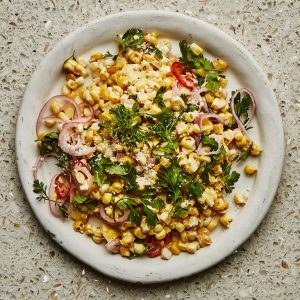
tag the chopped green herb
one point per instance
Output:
(132, 39)
(244, 154)
(159, 97)
(205, 140)
(242, 106)
(117, 170)
(98, 164)
(152, 49)
(151, 217)
(229, 179)
(212, 83)
(109, 55)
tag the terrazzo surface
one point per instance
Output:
(267, 266)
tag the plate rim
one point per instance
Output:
(281, 144)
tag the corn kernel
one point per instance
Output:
(124, 251)
(240, 197)
(50, 123)
(188, 142)
(139, 248)
(212, 225)
(223, 82)
(96, 56)
(225, 220)
(161, 235)
(166, 253)
(220, 64)
(200, 72)
(209, 97)
(184, 236)
(139, 233)
(127, 238)
(175, 249)
(250, 170)
(255, 150)
(79, 226)
(196, 49)
(117, 187)
(106, 198)
(179, 227)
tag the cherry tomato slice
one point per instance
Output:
(178, 69)
(155, 251)
(168, 239)
(63, 186)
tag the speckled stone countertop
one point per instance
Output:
(267, 266)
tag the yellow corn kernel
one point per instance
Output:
(179, 227)
(223, 82)
(72, 84)
(225, 220)
(95, 93)
(184, 236)
(80, 70)
(124, 251)
(192, 247)
(50, 123)
(200, 72)
(89, 229)
(188, 142)
(174, 248)
(220, 64)
(192, 235)
(255, 150)
(69, 112)
(155, 109)
(242, 143)
(196, 49)
(182, 246)
(168, 82)
(158, 228)
(166, 253)
(117, 187)
(135, 56)
(218, 103)
(161, 235)
(55, 106)
(250, 170)
(240, 197)
(209, 97)
(204, 240)
(206, 212)
(212, 225)
(139, 233)
(193, 211)
(139, 248)
(79, 226)
(127, 238)
(218, 128)
(151, 38)
(106, 198)
(65, 90)
(195, 128)
(63, 116)
(96, 56)
(189, 117)
(207, 126)
(109, 232)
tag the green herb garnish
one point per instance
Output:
(159, 97)
(229, 179)
(132, 39)
(98, 164)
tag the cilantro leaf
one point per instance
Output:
(195, 190)
(158, 98)
(133, 38)
(244, 154)
(212, 83)
(98, 164)
(151, 217)
(242, 106)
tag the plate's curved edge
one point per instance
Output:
(148, 279)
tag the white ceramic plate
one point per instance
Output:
(243, 72)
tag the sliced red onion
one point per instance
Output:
(46, 106)
(198, 99)
(113, 246)
(74, 150)
(199, 119)
(87, 174)
(111, 221)
(39, 162)
(237, 120)
(53, 204)
(218, 139)
(86, 119)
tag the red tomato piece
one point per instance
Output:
(178, 69)
(62, 186)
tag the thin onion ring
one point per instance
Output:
(113, 246)
(111, 221)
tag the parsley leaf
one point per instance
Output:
(159, 97)
(191, 60)
(133, 38)
(195, 190)
(152, 49)
(244, 154)
(212, 83)
(49, 144)
(98, 164)
(229, 179)
(117, 170)
(209, 142)
(151, 217)
(242, 106)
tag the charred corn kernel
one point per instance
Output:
(65, 90)
(139, 248)
(63, 116)
(184, 236)
(75, 215)
(188, 142)
(250, 170)
(175, 249)
(177, 103)
(127, 238)
(166, 253)
(117, 187)
(206, 212)
(220, 205)
(225, 220)
(96, 56)
(196, 49)
(255, 150)
(179, 227)
(135, 56)
(109, 232)
(223, 82)
(151, 38)
(220, 64)
(106, 198)
(209, 97)
(212, 225)
(218, 103)
(139, 233)
(192, 235)
(200, 72)
(124, 251)
(240, 197)
(97, 239)
(88, 98)
(50, 123)
(79, 226)
(89, 229)
(161, 235)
